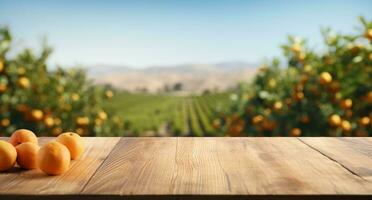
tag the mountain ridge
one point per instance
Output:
(194, 78)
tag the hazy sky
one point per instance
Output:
(141, 33)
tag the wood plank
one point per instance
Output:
(198, 168)
(226, 166)
(35, 182)
(285, 166)
(139, 165)
(354, 154)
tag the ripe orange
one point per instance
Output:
(82, 121)
(3, 87)
(278, 105)
(53, 158)
(26, 155)
(5, 122)
(346, 104)
(334, 120)
(368, 34)
(8, 155)
(21, 136)
(369, 97)
(1, 65)
(268, 125)
(73, 142)
(75, 97)
(325, 78)
(364, 121)
(296, 48)
(257, 119)
(49, 122)
(301, 57)
(298, 96)
(23, 82)
(37, 114)
(295, 132)
(345, 125)
(102, 115)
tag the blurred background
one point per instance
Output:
(186, 68)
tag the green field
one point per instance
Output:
(167, 115)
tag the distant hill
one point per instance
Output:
(193, 78)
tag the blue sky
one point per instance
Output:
(169, 32)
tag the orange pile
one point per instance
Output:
(53, 158)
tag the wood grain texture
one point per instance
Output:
(205, 168)
(354, 154)
(131, 162)
(19, 181)
(230, 166)
(285, 166)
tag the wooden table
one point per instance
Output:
(205, 168)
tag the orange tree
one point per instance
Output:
(326, 93)
(49, 101)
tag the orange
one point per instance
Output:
(296, 48)
(298, 96)
(346, 126)
(26, 155)
(8, 155)
(37, 114)
(364, 121)
(73, 142)
(346, 104)
(334, 120)
(325, 78)
(102, 115)
(369, 97)
(53, 158)
(21, 136)
(75, 97)
(23, 82)
(257, 119)
(3, 87)
(82, 121)
(295, 132)
(278, 105)
(49, 122)
(1, 65)
(368, 34)
(5, 122)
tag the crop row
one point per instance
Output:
(149, 114)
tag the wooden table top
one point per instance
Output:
(255, 168)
